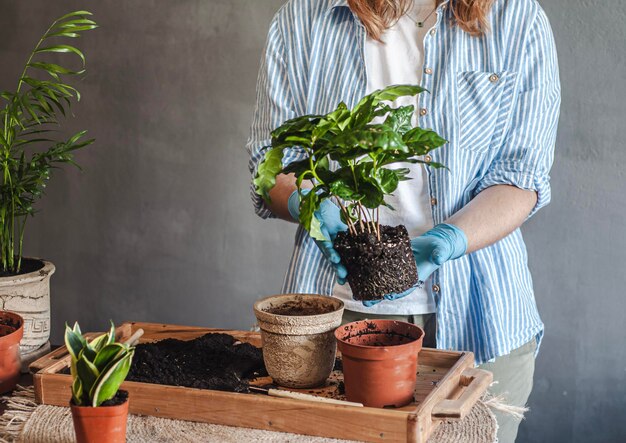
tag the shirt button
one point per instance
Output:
(433, 201)
(428, 158)
(428, 71)
(493, 78)
(433, 31)
(436, 288)
(423, 111)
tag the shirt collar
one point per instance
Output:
(344, 3)
(337, 4)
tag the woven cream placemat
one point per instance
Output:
(26, 422)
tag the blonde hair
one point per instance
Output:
(379, 15)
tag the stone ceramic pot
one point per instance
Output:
(297, 331)
(29, 296)
(380, 361)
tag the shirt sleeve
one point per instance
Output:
(274, 105)
(527, 152)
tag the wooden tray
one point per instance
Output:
(447, 387)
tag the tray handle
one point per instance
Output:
(476, 381)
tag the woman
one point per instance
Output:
(491, 69)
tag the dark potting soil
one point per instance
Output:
(120, 398)
(377, 337)
(28, 265)
(376, 268)
(213, 361)
(5, 321)
(300, 308)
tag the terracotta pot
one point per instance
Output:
(10, 336)
(380, 361)
(104, 424)
(297, 332)
(29, 296)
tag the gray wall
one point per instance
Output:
(159, 226)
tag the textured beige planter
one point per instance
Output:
(298, 341)
(29, 296)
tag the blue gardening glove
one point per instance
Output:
(329, 216)
(370, 303)
(431, 250)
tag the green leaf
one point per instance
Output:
(394, 92)
(74, 341)
(87, 372)
(373, 196)
(387, 180)
(77, 392)
(111, 334)
(108, 354)
(344, 190)
(88, 353)
(399, 120)
(309, 203)
(54, 69)
(422, 141)
(110, 380)
(269, 168)
(73, 14)
(63, 49)
(99, 342)
(64, 34)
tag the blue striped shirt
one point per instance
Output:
(495, 98)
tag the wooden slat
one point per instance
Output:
(245, 410)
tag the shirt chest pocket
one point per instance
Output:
(484, 102)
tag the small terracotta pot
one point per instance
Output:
(297, 332)
(10, 336)
(380, 361)
(104, 424)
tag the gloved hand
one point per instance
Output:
(370, 303)
(431, 250)
(442, 243)
(329, 216)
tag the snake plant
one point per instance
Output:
(98, 367)
(29, 117)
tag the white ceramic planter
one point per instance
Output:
(29, 296)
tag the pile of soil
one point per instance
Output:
(375, 336)
(8, 326)
(301, 308)
(376, 268)
(28, 265)
(213, 361)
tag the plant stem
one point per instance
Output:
(363, 212)
(378, 223)
(19, 253)
(347, 215)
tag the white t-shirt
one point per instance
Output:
(400, 60)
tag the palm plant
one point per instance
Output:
(29, 117)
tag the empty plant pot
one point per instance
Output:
(297, 331)
(11, 332)
(380, 361)
(104, 424)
